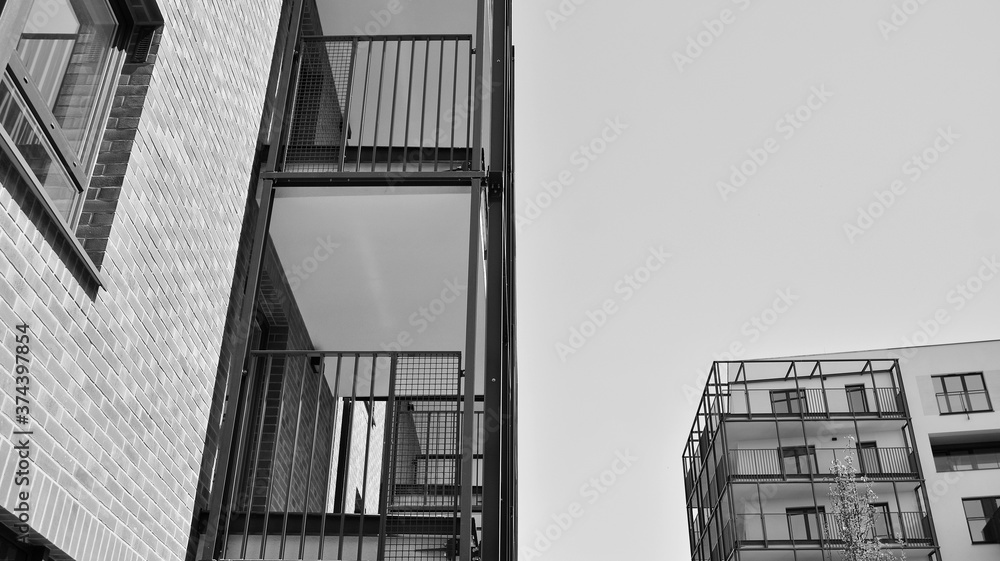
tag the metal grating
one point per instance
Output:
(422, 507)
(379, 104)
(316, 130)
(346, 456)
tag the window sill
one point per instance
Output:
(74, 244)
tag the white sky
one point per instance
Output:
(656, 186)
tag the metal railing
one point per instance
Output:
(348, 456)
(810, 529)
(812, 402)
(794, 462)
(394, 103)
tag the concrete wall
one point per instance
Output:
(123, 376)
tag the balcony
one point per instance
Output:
(808, 529)
(353, 456)
(810, 402)
(799, 462)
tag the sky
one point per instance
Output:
(702, 180)
(695, 181)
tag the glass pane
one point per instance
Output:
(882, 522)
(973, 508)
(943, 404)
(962, 461)
(64, 47)
(974, 382)
(41, 159)
(943, 463)
(938, 386)
(988, 459)
(978, 402)
(957, 402)
(797, 523)
(953, 384)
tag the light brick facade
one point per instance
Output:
(123, 376)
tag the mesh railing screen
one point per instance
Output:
(422, 508)
(316, 130)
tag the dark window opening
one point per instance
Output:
(966, 457)
(857, 401)
(983, 518)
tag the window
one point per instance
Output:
(961, 393)
(983, 517)
(966, 457)
(805, 524)
(857, 402)
(883, 524)
(799, 460)
(56, 91)
(785, 402)
(868, 454)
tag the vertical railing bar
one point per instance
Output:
(437, 114)
(368, 439)
(364, 104)
(274, 453)
(454, 105)
(256, 457)
(291, 463)
(392, 112)
(241, 437)
(348, 94)
(457, 462)
(333, 434)
(350, 436)
(409, 97)
(469, 108)
(427, 491)
(378, 110)
(423, 103)
(312, 456)
(387, 450)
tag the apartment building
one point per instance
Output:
(917, 423)
(245, 298)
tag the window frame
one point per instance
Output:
(799, 399)
(805, 453)
(79, 170)
(857, 389)
(964, 393)
(996, 501)
(817, 513)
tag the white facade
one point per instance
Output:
(947, 489)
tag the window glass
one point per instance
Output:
(982, 517)
(64, 47)
(41, 158)
(978, 402)
(974, 382)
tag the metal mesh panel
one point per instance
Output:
(316, 130)
(422, 507)
(382, 104)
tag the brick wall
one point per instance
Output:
(123, 376)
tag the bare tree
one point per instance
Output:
(853, 513)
